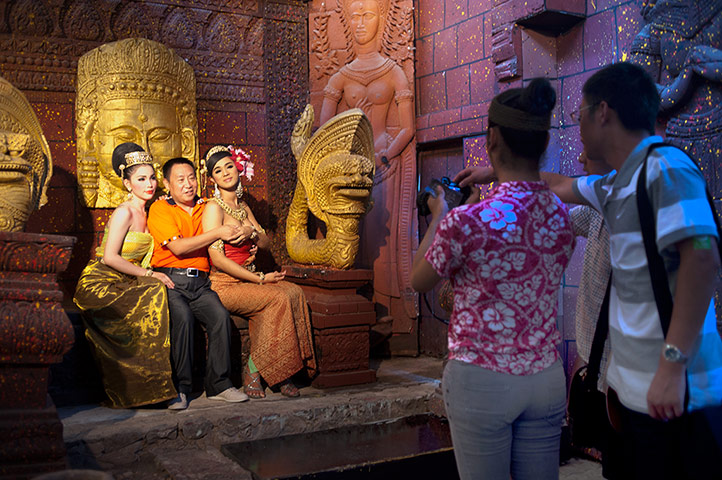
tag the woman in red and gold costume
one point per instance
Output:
(279, 322)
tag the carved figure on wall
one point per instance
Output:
(25, 160)
(681, 48)
(374, 82)
(335, 172)
(133, 90)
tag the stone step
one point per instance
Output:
(121, 441)
(410, 447)
(195, 464)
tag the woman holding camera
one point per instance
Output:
(504, 386)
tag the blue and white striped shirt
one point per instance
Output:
(676, 189)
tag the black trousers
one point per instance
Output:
(682, 448)
(192, 299)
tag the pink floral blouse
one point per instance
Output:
(505, 257)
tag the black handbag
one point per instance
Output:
(702, 428)
(586, 407)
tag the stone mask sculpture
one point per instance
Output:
(132, 90)
(25, 161)
(335, 178)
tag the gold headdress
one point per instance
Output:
(135, 158)
(216, 149)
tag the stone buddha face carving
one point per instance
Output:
(153, 125)
(134, 90)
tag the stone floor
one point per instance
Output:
(154, 443)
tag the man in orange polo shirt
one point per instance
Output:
(180, 251)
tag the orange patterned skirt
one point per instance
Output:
(279, 324)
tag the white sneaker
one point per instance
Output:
(230, 395)
(179, 403)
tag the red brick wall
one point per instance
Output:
(456, 57)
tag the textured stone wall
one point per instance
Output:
(470, 50)
(249, 58)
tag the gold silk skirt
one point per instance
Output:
(127, 327)
(279, 324)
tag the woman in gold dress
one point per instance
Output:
(125, 303)
(279, 323)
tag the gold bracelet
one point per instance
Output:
(254, 235)
(262, 276)
(149, 272)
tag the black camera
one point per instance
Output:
(453, 194)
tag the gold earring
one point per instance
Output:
(130, 194)
(239, 190)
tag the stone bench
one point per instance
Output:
(76, 381)
(340, 318)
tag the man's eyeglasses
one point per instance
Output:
(575, 114)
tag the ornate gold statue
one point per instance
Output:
(25, 161)
(133, 90)
(335, 178)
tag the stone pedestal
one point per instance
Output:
(34, 333)
(341, 321)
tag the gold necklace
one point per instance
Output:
(239, 214)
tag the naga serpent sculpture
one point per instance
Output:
(335, 178)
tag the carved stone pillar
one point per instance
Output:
(341, 321)
(34, 333)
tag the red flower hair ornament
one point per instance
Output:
(242, 161)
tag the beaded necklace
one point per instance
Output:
(239, 214)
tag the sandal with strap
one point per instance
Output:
(252, 385)
(288, 389)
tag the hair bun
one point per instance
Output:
(119, 153)
(539, 97)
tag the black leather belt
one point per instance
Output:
(186, 272)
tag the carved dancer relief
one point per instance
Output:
(335, 178)
(40, 43)
(133, 90)
(374, 38)
(681, 47)
(25, 160)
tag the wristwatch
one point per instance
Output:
(673, 354)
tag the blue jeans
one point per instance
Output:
(505, 424)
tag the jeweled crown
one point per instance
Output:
(136, 158)
(216, 149)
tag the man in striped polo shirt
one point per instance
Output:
(649, 372)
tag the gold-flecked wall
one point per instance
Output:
(467, 51)
(249, 59)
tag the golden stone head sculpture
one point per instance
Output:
(335, 178)
(25, 161)
(133, 90)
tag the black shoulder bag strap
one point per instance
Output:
(660, 283)
(600, 336)
(657, 272)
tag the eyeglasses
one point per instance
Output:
(575, 114)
